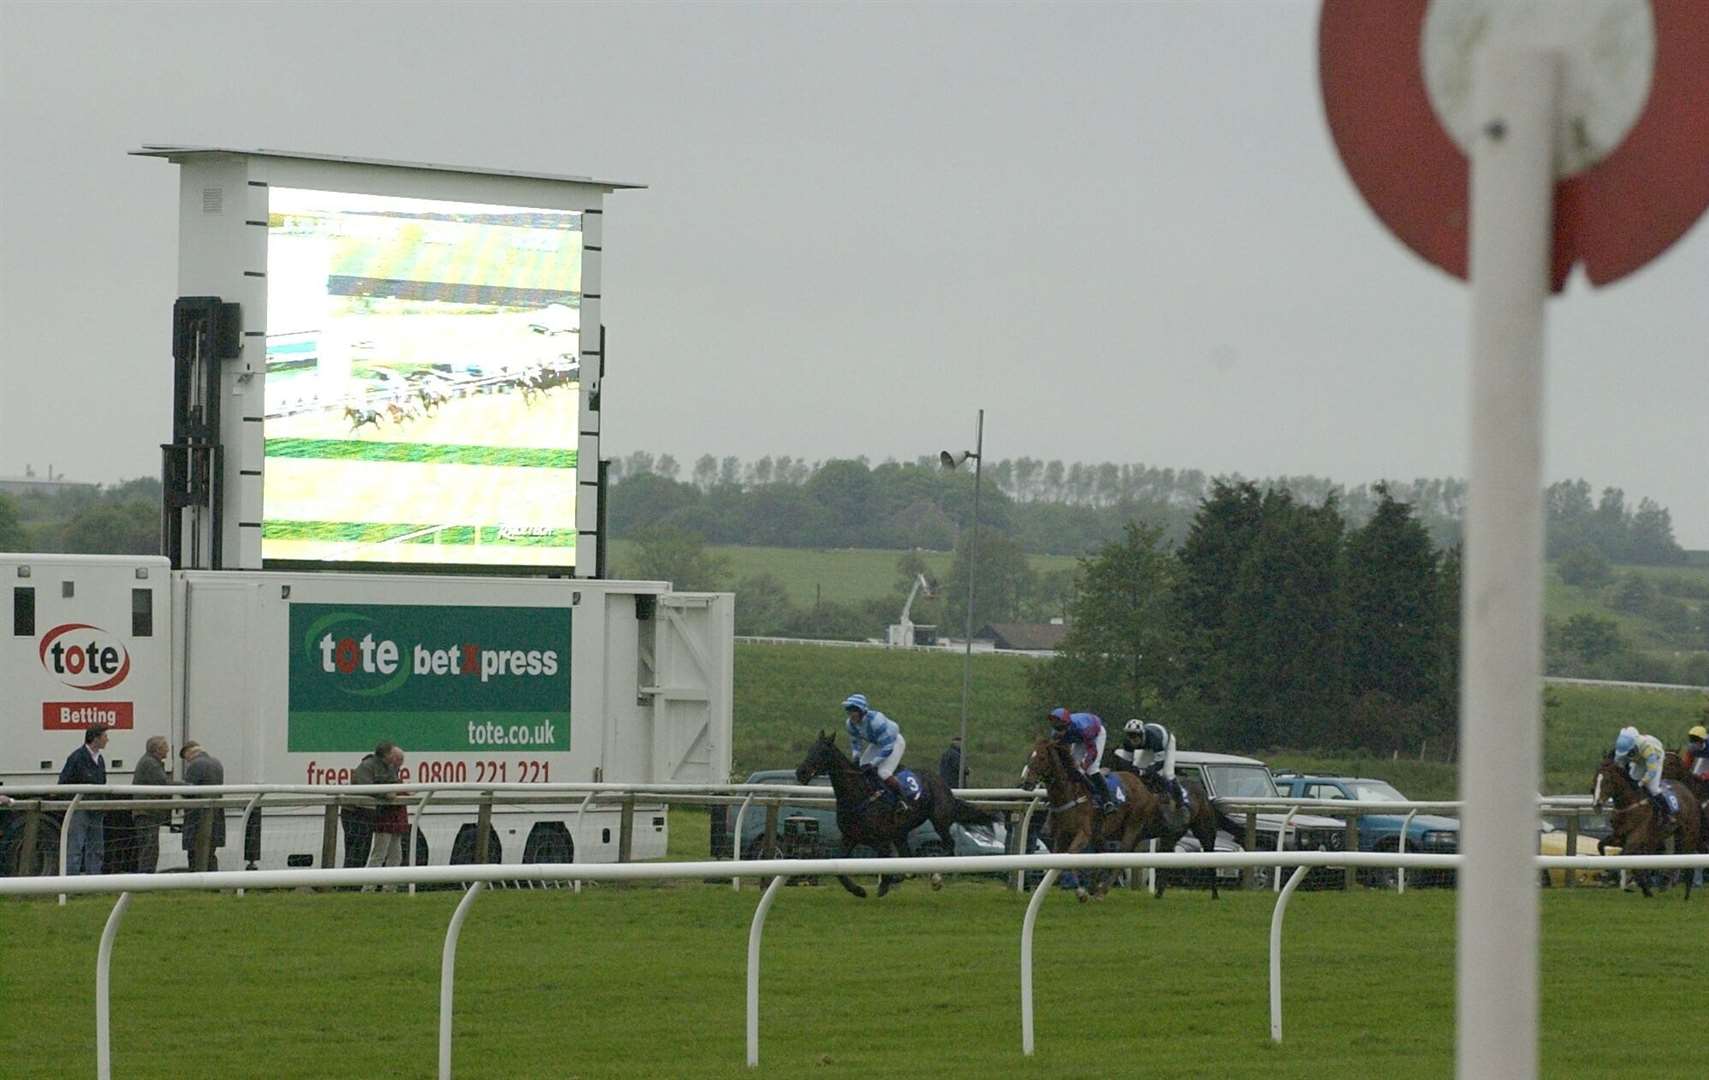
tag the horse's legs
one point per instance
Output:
(848, 846)
(1205, 829)
(1076, 844)
(886, 882)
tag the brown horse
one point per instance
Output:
(1673, 768)
(1075, 820)
(1203, 820)
(866, 815)
(1636, 828)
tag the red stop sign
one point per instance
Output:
(1614, 217)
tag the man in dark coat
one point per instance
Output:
(202, 768)
(86, 844)
(949, 763)
(151, 771)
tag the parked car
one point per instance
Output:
(969, 840)
(1227, 776)
(1552, 840)
(1426, 833)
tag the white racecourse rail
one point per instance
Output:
(477, 876)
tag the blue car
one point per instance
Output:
(1428, 833)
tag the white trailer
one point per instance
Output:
(291, 677)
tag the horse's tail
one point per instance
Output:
(965, 813)
(1228, 824)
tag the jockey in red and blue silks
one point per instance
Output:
(1083, 734)
(875, 741)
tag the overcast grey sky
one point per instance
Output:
(1122, 230)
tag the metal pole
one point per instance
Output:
(736, 839)
(1281, 842)
(448, 976)
(754, 932)
(972, 567)
(65, 839)
(1025, 848)
(103, 991)
(248, 809)
(414, 832)
(1276, 951)
(1400, 849)
(581, 814)
(1043, 890)
(1511, 218)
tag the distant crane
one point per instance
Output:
(904, 632)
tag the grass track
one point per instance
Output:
(623, 982)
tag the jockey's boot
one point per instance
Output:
(895, 788)
(1664, 815)
(1101, 794)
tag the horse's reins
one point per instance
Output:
(1067, 805)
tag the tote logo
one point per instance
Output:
(84, 657)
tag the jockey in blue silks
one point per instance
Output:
(875, 742)
(1083, 734)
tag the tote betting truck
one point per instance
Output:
(381, 521)
(290, 678)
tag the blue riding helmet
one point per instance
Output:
(856, 701)
(1625, 741)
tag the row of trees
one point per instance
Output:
(1607, 526)
(1046, 507)
(116, 519)
(1274, 624)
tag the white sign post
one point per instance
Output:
(1511, 230)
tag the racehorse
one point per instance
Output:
(1636, 831)
(1201, 818)
(1077, 822)
(867, 815)
(358, 417)
(1673, 768)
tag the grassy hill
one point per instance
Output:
(785, 694)
(841, 575)
(1671, 630)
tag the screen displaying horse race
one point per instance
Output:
(423, 381)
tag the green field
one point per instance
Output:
(648, 981)
(843, 575)
(785, 693)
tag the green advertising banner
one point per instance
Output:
(429, 677)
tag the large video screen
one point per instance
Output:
(423, 381)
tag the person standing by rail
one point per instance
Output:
(150, 771)
(391, 822)
(203, 769)
(87, 841)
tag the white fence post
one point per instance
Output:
(736, 839)
(243, 828)
(65, 839)
(414, 832)
(1281, 843)
(1276, 952)
(448, 976)
(1400, 875)
(104, 990)
(1043, 890)
(754, 932)
(1021, 849)
(581, 814)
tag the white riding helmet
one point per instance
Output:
(1134, 727)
